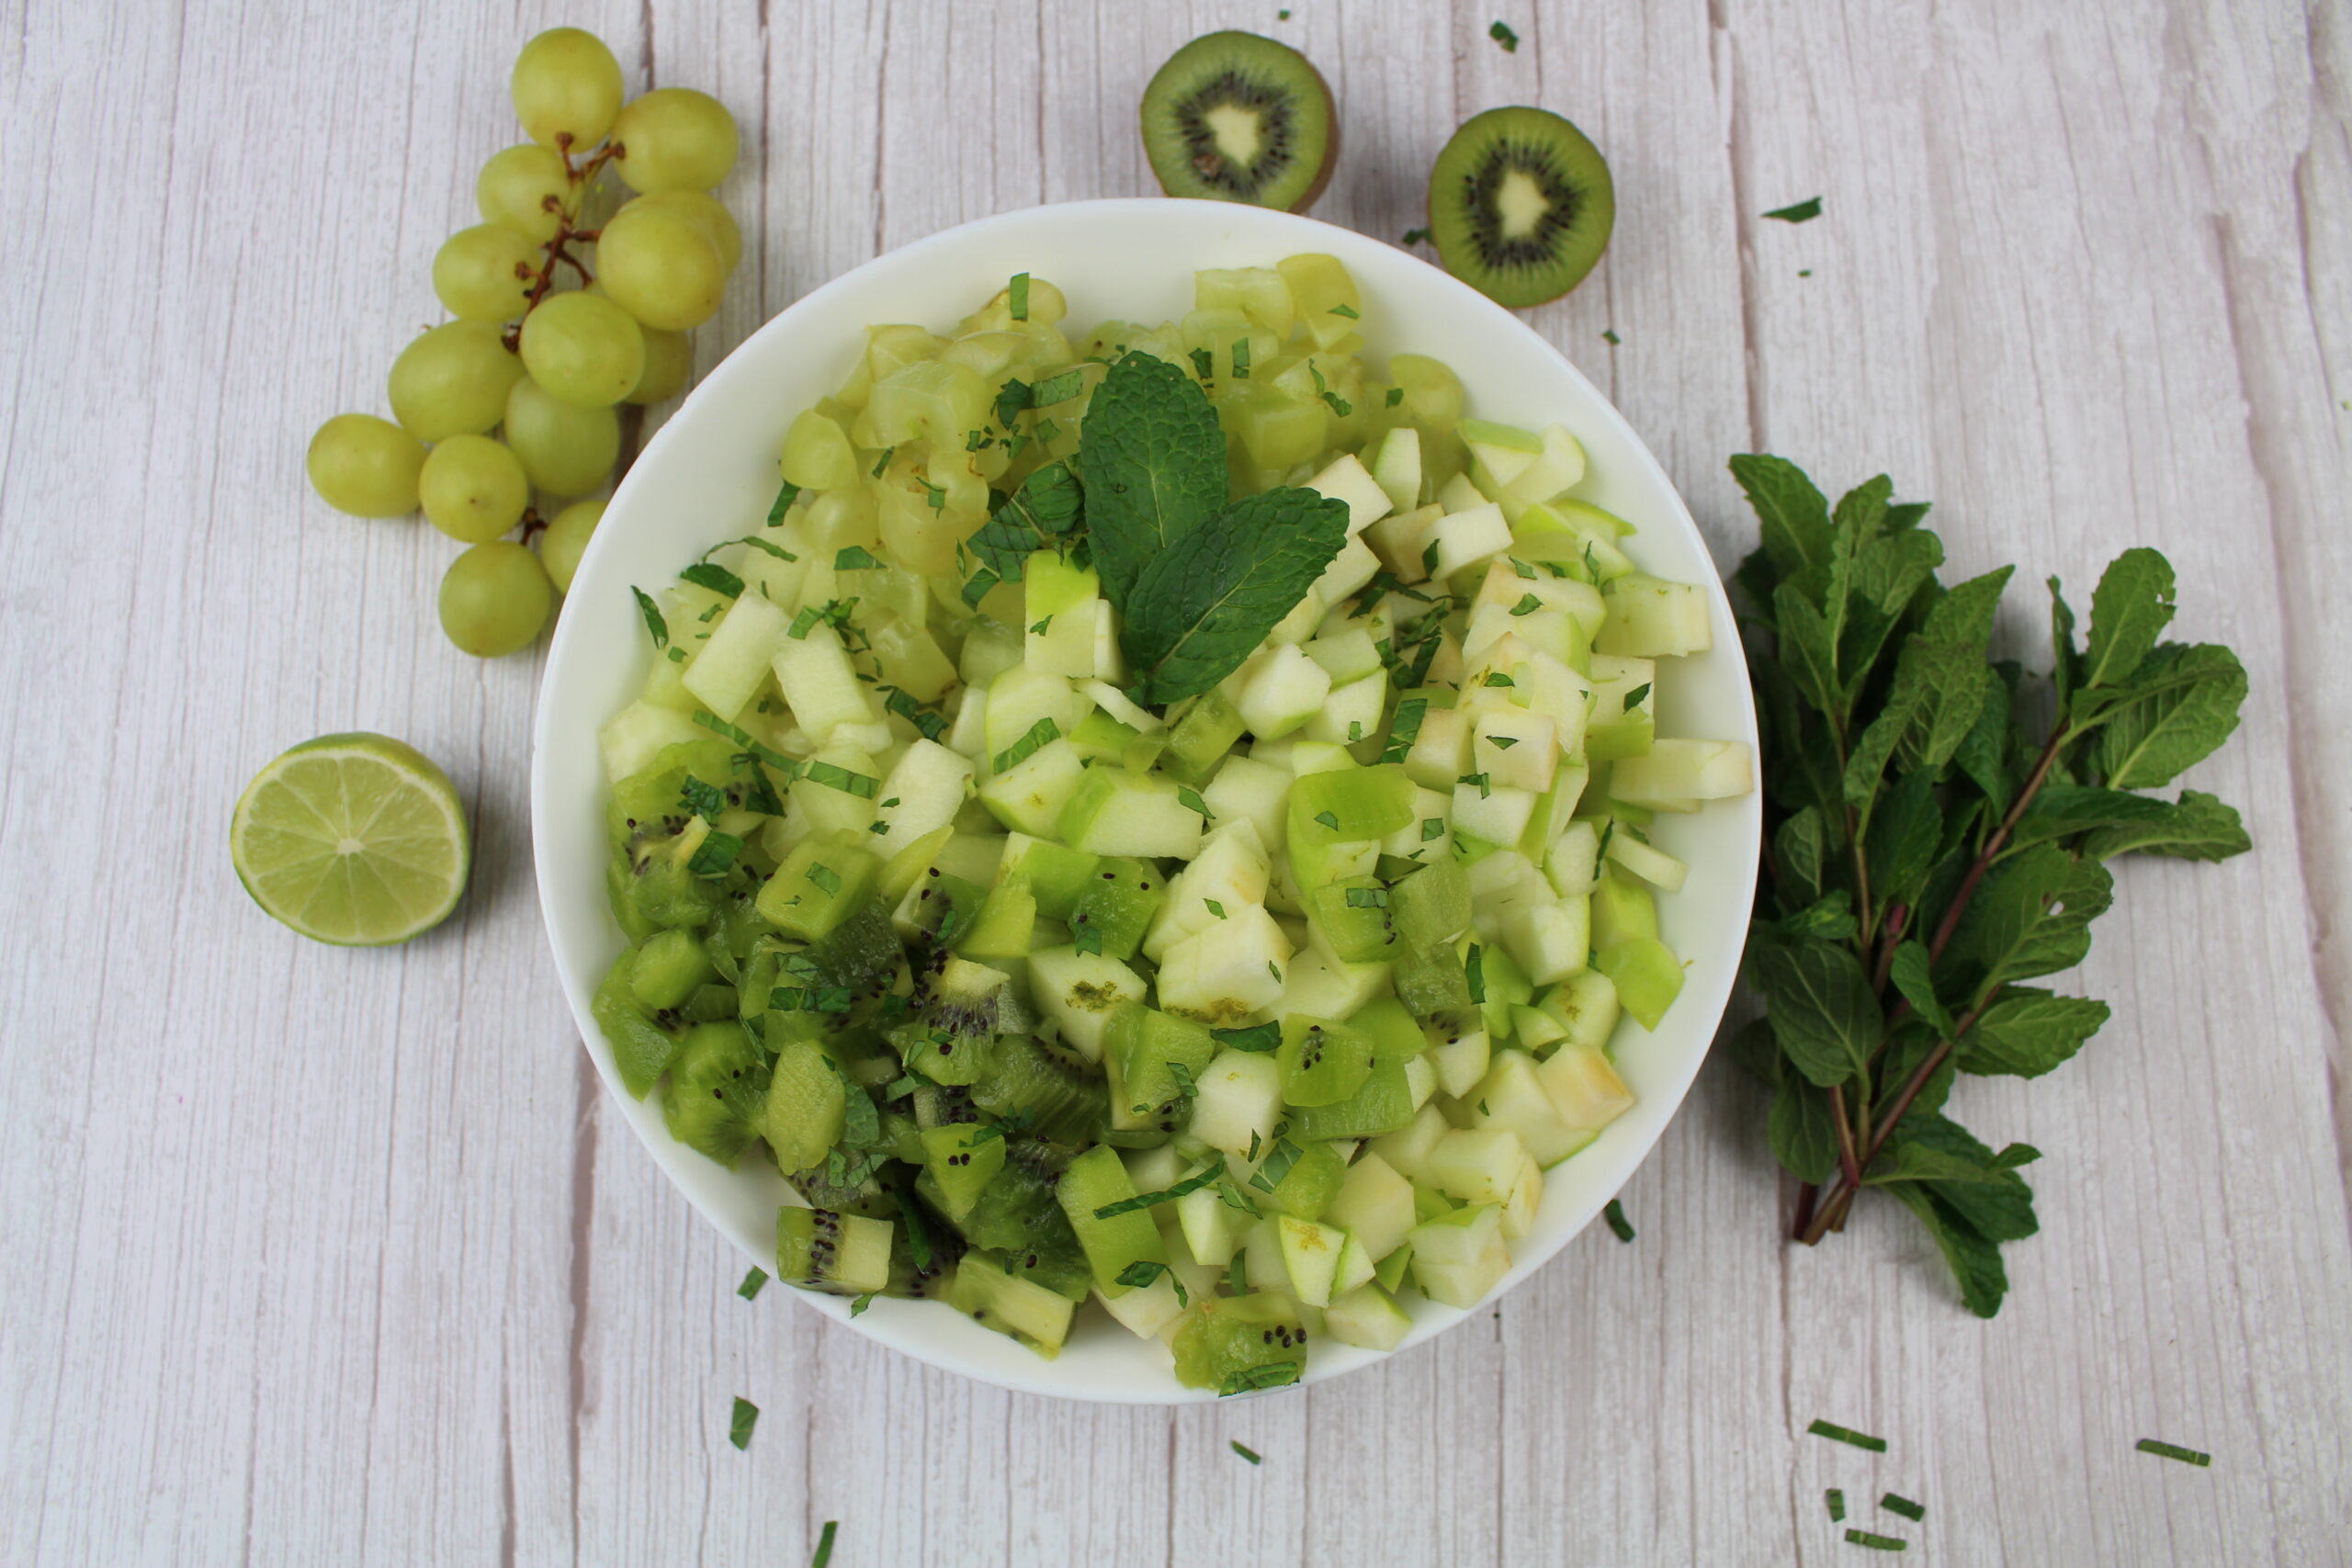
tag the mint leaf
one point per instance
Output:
(2183, 704)
(2129, 610)
(1803, 1131)
(2199, 827)
(1905, 831)
(1793, 514)
(2062, 810)
(1914, 983)
(1804, 211)
(1201, 606)
(2031, 916)
(1821, 1006)
(1155, 469)
(1040, 515)
(1991, 1198)
(2029, 1031)
(1800, 847)
(1975, 1262)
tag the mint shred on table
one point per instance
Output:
(825, 1540)
(1248, 1453)
(1615, 1215)
(1804, 211)
(1505, 37)
(1610, 333)
(753, 1283)
(746, 1416)
(1837, 1501)
(1895, 1503)
(1877, 1542)
(1848, 1435)
(1414, 237)
(2173, 1450)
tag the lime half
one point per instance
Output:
(357, 840)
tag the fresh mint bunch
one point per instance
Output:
(1938, 828)
(1197, 583)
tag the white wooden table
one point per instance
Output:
(322, 1256)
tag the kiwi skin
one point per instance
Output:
(1176, 178)
(1574, 231)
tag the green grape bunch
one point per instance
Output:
(564, 309)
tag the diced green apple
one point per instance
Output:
(1346, 478)
(1112, 812)
(819, 683)
(1311, 1253)
(1584, 1087)
(1367, 1318)
(1079, 991)
(1226, 975)
(930, 784)
(1374, 1204)
(1461, 1257)
(1033, 794)
(1397, 467)
(1684, 770)
(1281, 690)
(728, 671)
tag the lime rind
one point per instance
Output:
(358, 840)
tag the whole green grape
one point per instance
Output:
(584, 349)
(566, 540)
(674, 139)
(473, 488)
(705, 212)
(565, 449)
(482, 274)
(567, 88)
(364, 466)
(659, 268)
(453, 380)
(669, 361)
(495, 599)
(515, 188)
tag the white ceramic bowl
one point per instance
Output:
(711, 475)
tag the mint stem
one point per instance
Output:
(1847, 1163)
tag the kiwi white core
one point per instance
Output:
(1520, 203)
(1239, 131)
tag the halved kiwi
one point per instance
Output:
(1233, 117)
(1520, 205)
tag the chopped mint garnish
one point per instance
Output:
(655, 627)
(1396, 396)
(2172, 1451)
(1249, 1454)
(883, 462)
(1042, 733)
(1505, 37)
(1634, 698)
(739, 1429)
(1017, 296)
(1166, 1195)
(782, 504)
(754, 1282)
(826, 878)
(1414, 237)
(1847, 1435)
(855, 557)
(1528, 604)
(1895, 1503)
(1214, 908)
(1610, 334)
(1204, 362)
(1615, 1215)
(834, 776)
(1347, 311)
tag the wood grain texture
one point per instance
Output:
(330, 1256)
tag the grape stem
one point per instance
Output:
(532, 523)
(556, 251)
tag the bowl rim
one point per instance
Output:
(736, 367)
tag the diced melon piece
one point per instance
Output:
(1308, 756)
(1584, 1007)
(1420, 1080)
(1511, 1098)
(1032, 796)
(1374, 1204)
(1408, 1152)
(1684, 770)
(1239, 1099)
(1625, 708)
(1230, 873)
(1112, 812)
(1057, 607)
(1261, 1256)
(1502, 451)
(1584, 1087)
(1281, 690)
(1366, 1317)
(1647, 861)
(1310, 1256)
(1418, 840)
(632, 738)
(1213, 1229)
(1347, 480)
(1347, 654)
(1515, 748)
(1354, 566)
(968, 732)
(1652, 619)
(1397, 539)
(1021, 698)
(1551, 939)
(1496, 813)
(1573, 861)
(819, 683)
(1355, 1268)
(1246, 789)
(1113, 701)
(1079, 991)
(1397, 468)
(1226, 975)
(1460, 1257)
(1477, 1167)
(1305, 619)
(1325, 986)
(929, 784)
(1526, 1197)
(1460, 1062)
(1647, 976)
(1557, 466)
(1440, 751)
(1460, 539)
(1458, 494)
(730, 666)
(1560, 694)
(1257, 293)
(1145, 1310)
(1351, 713)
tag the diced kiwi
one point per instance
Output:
(1312, 1179)
(1144, 1052)
(643, 1045)
(716, 1086)
(1064, 1100)
(1322, 1062)
(962, 1164)
(821, 1250)
(1383, 1103)
(1017, 1215)
(1233, 117)
(1520, 205)
(1114, 1243)
(1354, 915)
(1232, 1342)
(805, 1107)
(1009, 1303)
(1118, 903)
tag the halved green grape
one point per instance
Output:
(495, 599)
(669, 362)
(707, 212)
(515, 188)
(473, 488)
(567, 88)
(661, 268)
(453, 380)
(566, 449)
(366, 465)
(583, 348)
(566, 540)
(674, 139)
(480, 274)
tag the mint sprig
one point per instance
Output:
(1940, 826)
(1154, 456)
(1202, 605)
